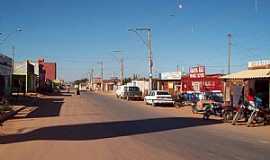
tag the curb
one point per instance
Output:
(10, 114)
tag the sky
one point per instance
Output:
(77, 34)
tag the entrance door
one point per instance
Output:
(262, 90)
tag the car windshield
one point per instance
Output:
(133, 89)
(162, 93)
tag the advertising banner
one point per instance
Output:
(171, 76)
(197, 72)
(263, 64)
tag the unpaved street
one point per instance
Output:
(93, 126)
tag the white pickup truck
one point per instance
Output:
(128, 92)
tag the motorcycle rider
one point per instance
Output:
(250, 97)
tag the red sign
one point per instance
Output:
(197, 72)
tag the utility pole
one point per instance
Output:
(91, 78)
(121, 61)
(13, 68)
(101, 73)
(92, 75)
(177, 68)
(150, 58)
(101, 69)
(229, 52)
(149, 48)
(122, 70)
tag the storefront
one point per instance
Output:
(5, 75)
(257, 78)
(197, 81)
(24, 78)
(171, 81)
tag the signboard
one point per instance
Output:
(20, 68)
(196, 86)
(264, 64)
(197, 72)
(5, 65)
(171, 76)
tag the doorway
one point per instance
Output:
(262, 91)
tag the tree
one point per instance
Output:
(84, 80)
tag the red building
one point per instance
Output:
(198, 81)
(50, 69)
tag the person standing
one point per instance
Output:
(250, 97)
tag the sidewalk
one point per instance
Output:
(8, 114)
(30, 102)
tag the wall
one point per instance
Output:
(50, 69)
(5, 74)
(205, 84)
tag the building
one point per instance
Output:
(96, 84)
(49, 68)
(143, 84)
(24, 78)
(5, 75)
(171, 81)
(110, 85)
(256, 77)
(40, 72)
(197, 81)
(83, 86)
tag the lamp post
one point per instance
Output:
(13, 50)
(9, 34)
(149, 47)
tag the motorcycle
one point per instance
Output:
(259, 114)
(215, 109)
(228, 113)
(243, 112)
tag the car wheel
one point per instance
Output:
(145, 101)
(153, 104)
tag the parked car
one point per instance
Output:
(129, 92)
(159, 97)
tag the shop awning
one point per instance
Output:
(249, 74)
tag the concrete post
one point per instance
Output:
(269, 94)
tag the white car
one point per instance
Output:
(159, 97)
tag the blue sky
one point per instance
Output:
(78, 33)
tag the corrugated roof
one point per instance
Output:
(249, 74)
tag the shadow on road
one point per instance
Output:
(48, 107)
(94, 131)
(45, 107)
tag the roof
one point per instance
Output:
(249, 74)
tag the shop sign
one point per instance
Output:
(197, 72)
(171, 76)
(196, 86)
(259, 64)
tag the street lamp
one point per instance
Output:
(121, 61)
(149, 47)
(9, 34)
(13, 50)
